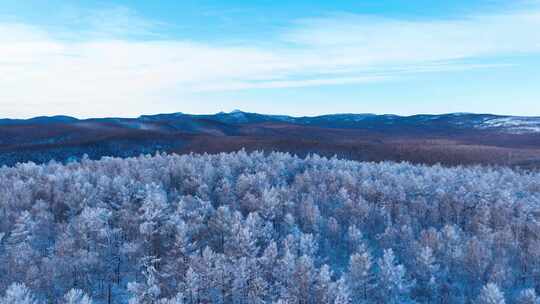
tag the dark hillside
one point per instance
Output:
(450, 139)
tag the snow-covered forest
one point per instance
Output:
(267, 228)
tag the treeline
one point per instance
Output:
(267, 228)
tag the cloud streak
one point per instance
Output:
(103, 64)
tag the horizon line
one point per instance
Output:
(263, 114)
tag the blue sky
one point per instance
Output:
(126, 58)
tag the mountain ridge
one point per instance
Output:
(452, 139)
(505, 123)
(236, 111)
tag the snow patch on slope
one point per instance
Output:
(514, 125)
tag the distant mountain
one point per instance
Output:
(39, 120)
(188, 122)
(455, 138)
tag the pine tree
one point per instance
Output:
(18, 293)
(153, 217)
(354, 237)
(268, 262)
(393, 286)
(426, 270)
(240, 282)
(360, 275)
(178, 299)
(22, 229)
(191, 286)
(490, 294)
(241, 242)
(304, 278)
(247, 286)
(285, 281)
(323, 286)
(528, 296)
(147, 292)
(76, 296)
(307, 245)
(342, 294)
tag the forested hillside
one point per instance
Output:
(450, 139)
(267, 228)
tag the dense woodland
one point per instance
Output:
(267, 228)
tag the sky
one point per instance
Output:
(131, 57)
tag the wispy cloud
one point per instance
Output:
(116, 58)
(372, 40)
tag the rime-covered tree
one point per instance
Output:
(426, 272)
(267, 228)
(393, 286)
(18, 293)
(360, 276)
(342, 293)
(148, 291)
(527, 296)
(490, 294)
(76, 296)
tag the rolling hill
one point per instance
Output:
(450, 139)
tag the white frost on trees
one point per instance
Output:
(18, 294)
(267, 228)
(490, 294)
(76, 296)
